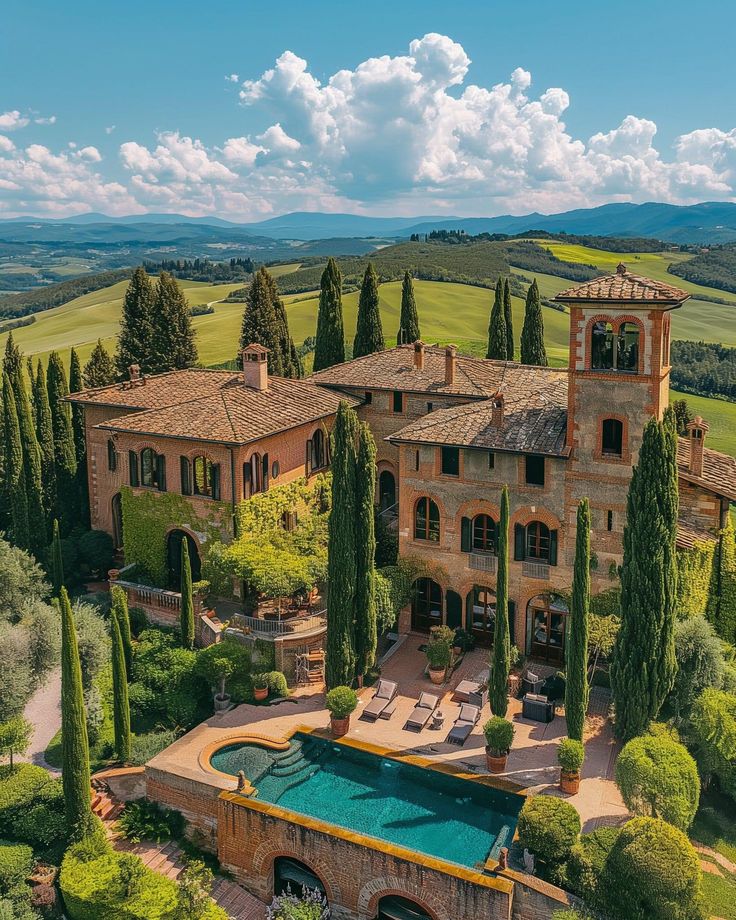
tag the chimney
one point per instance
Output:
(620, 269)
(419, 355)
(697, 430)
(450, 362)
(497, 411)
(134, 372)
(255, 367)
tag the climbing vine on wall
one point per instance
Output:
(695, 579)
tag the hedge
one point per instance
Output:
(16, 862)
(549, 828)
(587, 860)
(20, 789)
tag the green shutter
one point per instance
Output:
(216, 481)
(465, 535)
(161, 472)
(133, 466)
(186, 485)
(519, 542)
(553, 547)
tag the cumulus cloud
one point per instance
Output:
(11, 121)
(45, 120)
(110, 128)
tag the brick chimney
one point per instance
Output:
(419, 355)
(450, 363)
(255, 367)
(497, 411)
(696, 431)
(134, 372)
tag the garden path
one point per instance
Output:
(43, 711)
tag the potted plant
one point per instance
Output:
(463, 642)
(570, 756)
(499, 737)
(260, 687)
(439, 652)
(341, 702)
(222, 669)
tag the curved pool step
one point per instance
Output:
(291, 768)
(298, 777)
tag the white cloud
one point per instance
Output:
(41, 120)
(110, 128)
(232, 78)
(11, 121)
(6, 145)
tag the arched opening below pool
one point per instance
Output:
(290, 875)
(394, 907)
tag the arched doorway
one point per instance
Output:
(426, 605)
(454, 609)
(394, 907)
(290, 875)
(386, 490)
(117, 521)
(546, 628)
(481, 614)
(173, 551)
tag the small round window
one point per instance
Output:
(275, 470)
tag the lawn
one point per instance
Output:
(715, 827)
(720, 415)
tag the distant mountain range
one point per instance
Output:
(709, 222)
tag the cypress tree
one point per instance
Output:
(186, 622)
(501, 660)
(508, 316)
(120, 610)
(135, 342)
(497, 327)
(15, 477)
(120, 704)
(45, 436)
(172, 335)
(13, 359)
(341, 552)
(75, 773)
(65, 457)
(37, 527)
(57, 562)
(643, 666)
(329, 346)
(290, 361)
(76, 385)
(409, 320)
(724, 613)
(369, 333)
(576, 653)
(259, 321)
(99, 371)
(366, 636)
(532, 333)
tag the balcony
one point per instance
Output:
(271, 627)
(538, 570)
(483, 562)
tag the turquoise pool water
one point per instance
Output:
(426, 811)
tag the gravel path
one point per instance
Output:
(43, 711)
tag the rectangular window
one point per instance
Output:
(368, 397)
(609, 520)
(450, 461)
(491, 460)
(186, 478)
(398, 401)
(112, 457)
(416, 460)
(534, 471)
(133, 467)
(430, 406)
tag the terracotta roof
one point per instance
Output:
(233, 413)
(624, 287)
(534, 417)
(394, 369)
(689, 533)
(719, 470)
(157, 391)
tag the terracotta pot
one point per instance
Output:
(222, 702)
(113, 575)
(260, 693)
(340, 727)
(437, 675)
(496, 764)
(570, 782)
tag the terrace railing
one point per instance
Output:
(535, 570)
(483, 562)
(275, 627)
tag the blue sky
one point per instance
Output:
(608, 101)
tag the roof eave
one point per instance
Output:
(562, 454)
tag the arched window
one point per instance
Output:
(206, 477)
(316, 451)
(394, 907)
(612, 437)
(601, 346)
(627, 358)
(148, 467)
(427, 520)
(426, 605)
(484, 534)
(481, 608)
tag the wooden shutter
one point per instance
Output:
(186, 482)
(466, 526)
(553, 547)
(519, 542)
(133, 466)
(265, 472)
(310, 459)
(247, 480)
(216, 481)
(161, 472)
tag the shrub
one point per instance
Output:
(652, 873)
(587, 860)
(712, 732)
(312, 905)
(141, 699)
(570, 755)
(42, 821)
(144, 747)
(15, 736)
(16, 862)
(138, 620)
(499, 735)
(658, 778)
(94, 641)
(260, 681)
(549, 828)
(277, 685)
(16, 674)
(95, 714)
(144, 820)
(229, 656)
(96, 550)
(176, 695)
(700, 663)
(19, 789)
(439, 647)
(341, 702)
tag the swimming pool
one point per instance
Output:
(422, 809)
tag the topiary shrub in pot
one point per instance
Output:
(570, 756)
(439, 652)
(341, 703)
(499, 738)
(260, 687)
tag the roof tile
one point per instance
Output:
(624, 287)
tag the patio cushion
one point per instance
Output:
(468, 713)
(386, 689)
(427, 701)
(531, 677)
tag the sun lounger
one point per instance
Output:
(467, 718)
(422, 712)
(382, 699)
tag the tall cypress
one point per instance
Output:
(45, 436)
(329, 346)
(186, 615)
(15, 477)
(13, 360)
(259, 321)
(135, 342)
(172, 336)
(99, 371)
(341, 551)
(532, 333)
(120, 703)
(501, 659)
(409, 319)
(57, 562)
(508, 316)
(576, 652)
(497, 327)
(120, 610)
(369, 332)
(37, 526)
(75, 774)
(65, 457)
(76, 385)
(291, 365)
(366, 636)
(643, 664)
